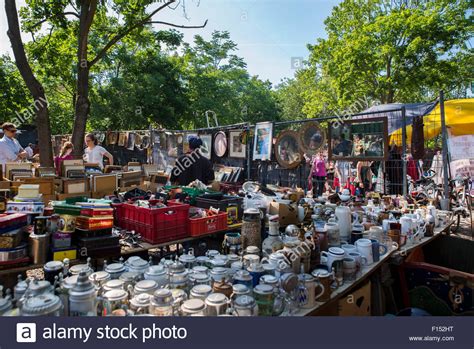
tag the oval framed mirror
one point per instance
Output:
(220, 144)
(287, 150)
(311, 138)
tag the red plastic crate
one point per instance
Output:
(157, 225)
(207, 225)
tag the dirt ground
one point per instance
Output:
(465, 227)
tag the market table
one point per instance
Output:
(366, 272)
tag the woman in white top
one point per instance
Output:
(95, 153)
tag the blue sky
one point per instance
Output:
(270, 34)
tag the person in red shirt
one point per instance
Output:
(64, 154)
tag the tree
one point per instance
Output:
(380, 52)
(98, 26)
(14, 96)
(40, 104)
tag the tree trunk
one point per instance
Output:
(40, 104)
(82, 105)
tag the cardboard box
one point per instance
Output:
(356, 303)
(288, 214)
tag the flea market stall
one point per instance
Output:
(308, 217)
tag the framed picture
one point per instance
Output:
(206, 147)
(236, 148)
(311, 138)
(359, 140)
(220, 144)
(287, 150)
(262, 145)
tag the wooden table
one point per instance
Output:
(366, 272)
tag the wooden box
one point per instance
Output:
(357, 303)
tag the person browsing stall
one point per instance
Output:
(95, 153)
(10, 149)
(64, 154)
(192, 166)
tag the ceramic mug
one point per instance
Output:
(334, 256)
(359, 259)
(349, 269)
(348, 248)
(364, 247)
(378, 249)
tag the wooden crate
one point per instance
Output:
(357, 303)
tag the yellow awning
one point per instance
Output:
(459, 116)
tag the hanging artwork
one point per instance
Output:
(131, 141)
(122, 139)
(220, 144)
(206, 147)
(287, 150)
(311, 138)
(237, 149)
(359, 140)
(262, 145)
(112, 137)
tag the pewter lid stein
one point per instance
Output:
(141, 301)
(83, 289)
(187, 258)
(162, 297)
(233, 258)
(252, 250)
(199, 278)
(137, 264)
(114, 284)
(218, 262)
(46, 304)
(212, 253)
(176, 268)
(200, 269)
(114, 268)
(76, 269)
(218, 273)
(5, 304)
(37, 287)
(216, 299)
(20, 288)
(192, 306)
(99, 277)
(155, 271)
(245, 302)
(200, 291)
(242, 276)
(129, 277)
(202, 260)
(269, 280)
(53, 266)
(69, 282)
(116, 295)
(240, 289)
(145, 286)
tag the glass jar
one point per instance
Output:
(264, 298)
(218, 274)
(200, 292)
(245, 306)
(193, 307)
(216, 304)
(161, 304)
(114, 300)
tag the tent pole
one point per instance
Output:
(404, 150)
(444, 140)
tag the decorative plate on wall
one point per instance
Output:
(287, 150)
(220, 144)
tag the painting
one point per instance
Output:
(262, 145)
(237, 149)
(287, 150)
(206, 147)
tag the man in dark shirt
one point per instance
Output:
(192, 166)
